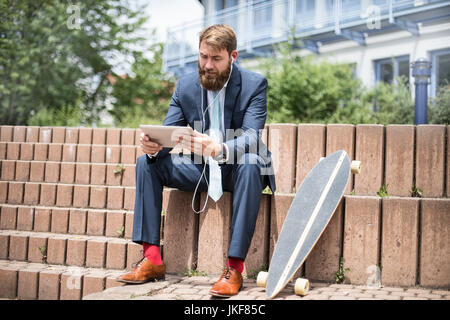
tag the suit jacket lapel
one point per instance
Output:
(198, 93)
(232, 91)
(206, 114)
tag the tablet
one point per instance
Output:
(167, 136)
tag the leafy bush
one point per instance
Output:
(392, 103)
(306, 90)
(383, 104)
(439, 107)
(66, 116)
(303, 90)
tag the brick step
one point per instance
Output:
(67, 195)
(401, 157)
(31, 281)
(69, 250)
(68, 172)
(69, 152)
(91, 222)
(122, 136)
(403, 235)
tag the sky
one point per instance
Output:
(162, 15)
(169, 13)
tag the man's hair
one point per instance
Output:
(219, 36)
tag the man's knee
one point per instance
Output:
(250, 165)
(141, 161)
(249, 159)
(142, 164)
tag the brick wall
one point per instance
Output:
(58, 192)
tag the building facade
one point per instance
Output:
(379, 38)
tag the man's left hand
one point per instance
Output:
(200, 144)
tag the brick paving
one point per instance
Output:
(177, 287)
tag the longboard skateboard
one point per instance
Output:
(309, 214)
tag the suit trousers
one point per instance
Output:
(243, 179)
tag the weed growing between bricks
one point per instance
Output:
(340, 274)
(43, 251)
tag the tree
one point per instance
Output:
(56, 55)
(145, 96)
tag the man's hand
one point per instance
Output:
(148, 146)
(200, 144)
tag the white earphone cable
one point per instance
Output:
(203, 129)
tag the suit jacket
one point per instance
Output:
(244, 114)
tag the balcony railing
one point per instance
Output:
(260, 24)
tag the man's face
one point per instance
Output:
(214, 66)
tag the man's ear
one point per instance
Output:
(234, 56)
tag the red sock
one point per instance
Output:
(152, 253)
(236, 263)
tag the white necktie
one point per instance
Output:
(215, 175)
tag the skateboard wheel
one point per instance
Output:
(301, 287)
(261, 280)
(355, 167)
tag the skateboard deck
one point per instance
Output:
(309, 214)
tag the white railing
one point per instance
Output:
(260, 23)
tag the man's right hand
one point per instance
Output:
(148, 146)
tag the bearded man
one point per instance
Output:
(227, 106)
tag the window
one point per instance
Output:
(440, 70)
(262, 15)
(350, 5)
(262, 20)
(303, 7)
(305, 13)
(228, 18)
(387, 70)
(224, 4)
(330, 8)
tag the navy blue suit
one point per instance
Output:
(246, 173)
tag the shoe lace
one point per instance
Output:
(137, 264)
(226, 273)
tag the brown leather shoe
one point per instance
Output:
(229, 284)
(145, 271)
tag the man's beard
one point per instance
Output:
(216, 82)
